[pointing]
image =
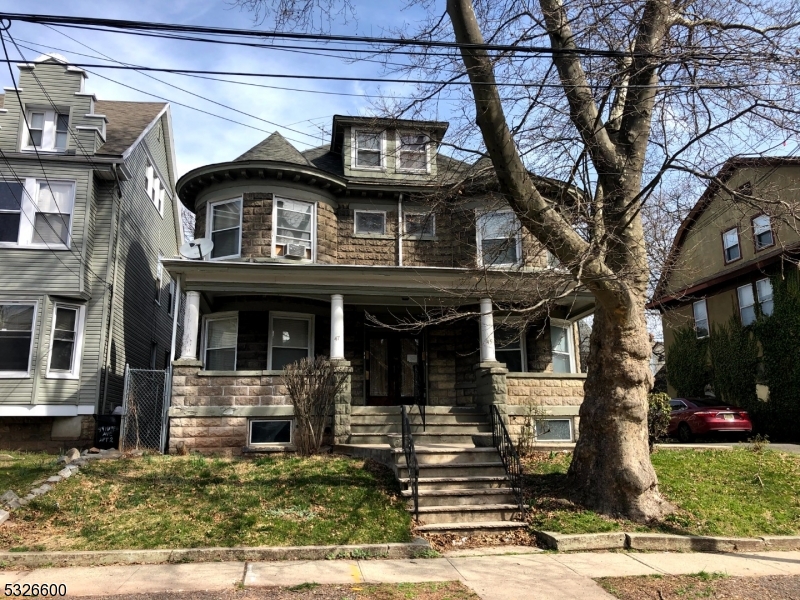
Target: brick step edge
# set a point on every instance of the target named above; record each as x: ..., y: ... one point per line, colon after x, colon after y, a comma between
x: 662, y: 542
x: 420, y: 548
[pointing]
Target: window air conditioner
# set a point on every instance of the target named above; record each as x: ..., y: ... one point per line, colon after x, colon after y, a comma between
x: 295, y: 251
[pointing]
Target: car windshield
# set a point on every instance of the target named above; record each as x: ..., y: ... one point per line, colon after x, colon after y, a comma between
x: 706, y: 401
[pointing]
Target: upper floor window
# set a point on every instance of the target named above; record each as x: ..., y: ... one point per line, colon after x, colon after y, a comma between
x: 293, y: 231
x: 159, y: 279
x: 370, y: 222
x: 36, y: 212
x: 761, y: 291
x: 46, y: 130
x: 291, y: 338
x: 368, y: 150
x: 219, y: 342
x: 17, y: 322
x: 412, y: 152
x: 700, y: 311
x: 562, y: 346
x: 155, y: 189
x: 224, y: 227
x: 730, y: 244
x: 65, y: 342
x: 762, y: 232
x: 419, y: 224
x: 499, y: 242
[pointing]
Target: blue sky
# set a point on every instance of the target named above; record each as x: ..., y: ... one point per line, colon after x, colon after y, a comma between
x: 202, y: 138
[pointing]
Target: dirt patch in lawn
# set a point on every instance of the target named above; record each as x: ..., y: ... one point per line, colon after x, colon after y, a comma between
x: 703, y: 586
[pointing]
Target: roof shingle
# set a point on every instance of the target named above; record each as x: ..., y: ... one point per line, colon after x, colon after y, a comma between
x: 276, y: 148
x: 126, y: 122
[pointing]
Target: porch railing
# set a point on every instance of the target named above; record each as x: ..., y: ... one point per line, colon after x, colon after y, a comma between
x: 419, y: 400
x: 508, y: 454
x: 411, y: 458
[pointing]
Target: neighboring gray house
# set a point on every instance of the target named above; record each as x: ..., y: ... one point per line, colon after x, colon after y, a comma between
x: 87, y: 207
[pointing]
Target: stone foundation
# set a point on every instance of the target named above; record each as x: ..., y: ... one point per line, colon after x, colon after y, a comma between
x: 45, y: 434
x: 546, y: 389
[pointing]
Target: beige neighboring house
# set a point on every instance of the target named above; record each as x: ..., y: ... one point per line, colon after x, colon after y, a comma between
x: 87, y: 206
x: 725, y: 252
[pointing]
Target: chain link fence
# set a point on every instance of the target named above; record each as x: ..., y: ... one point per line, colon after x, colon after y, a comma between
x: 144, y: 410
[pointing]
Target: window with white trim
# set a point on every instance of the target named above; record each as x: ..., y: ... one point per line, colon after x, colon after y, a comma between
x: 412, y: 152
x: 553, y: 430
x: 36, y: 212
x: 751, y: 294
x: 66, y: 341
x: 419, y: 224
x: 291, y: 338
x: 509, y: 348
x: 47, y: 130
x: 762, y: 232
x: 159, y: 279
x: 370, y: 222
x: 700, y: 312
x: 562, y: 346
x: 17, y: 322
x: 367, y: 150
x: 499, y: 241
x: 171, y: 297
x: 224, y: 227
x: 155, y: 189
x: 221, y: 332
x: 270, y: 432
x: 764, y: 294
x: 730, y: 244
x: 293, y: 231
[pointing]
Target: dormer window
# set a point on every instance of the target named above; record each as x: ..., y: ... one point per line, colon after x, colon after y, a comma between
x: 368, y: 150
x: 412, y: 152
x: 46, y: 130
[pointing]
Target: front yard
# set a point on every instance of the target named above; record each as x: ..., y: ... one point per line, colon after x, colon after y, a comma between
x: 18, y: 470
x: 185, y: 502
x: 718, y: 492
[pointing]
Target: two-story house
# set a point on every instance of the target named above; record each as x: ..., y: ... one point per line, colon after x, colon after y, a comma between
x: 727, y: 248
x: 86, y: 209
x: 327, y: 252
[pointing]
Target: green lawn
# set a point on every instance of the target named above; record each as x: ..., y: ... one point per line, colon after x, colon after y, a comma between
x: 179, y: 502
x: 725, y: 492
x: 25, y: 468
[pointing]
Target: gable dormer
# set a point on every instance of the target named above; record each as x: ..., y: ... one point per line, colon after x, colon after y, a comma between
x: 387, y: 149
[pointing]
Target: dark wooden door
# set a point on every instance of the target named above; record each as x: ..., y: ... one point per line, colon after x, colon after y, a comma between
x: 394, y: 369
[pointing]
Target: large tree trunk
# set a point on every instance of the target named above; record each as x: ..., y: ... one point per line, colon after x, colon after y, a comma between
x: 611, y: 470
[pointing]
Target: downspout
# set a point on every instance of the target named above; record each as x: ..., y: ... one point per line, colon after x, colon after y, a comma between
x: 400, y: 230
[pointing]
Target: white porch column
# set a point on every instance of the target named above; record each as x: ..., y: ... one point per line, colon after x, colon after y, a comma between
x: 191, y: 326
x: 337, y: 327
x: 487, y: 331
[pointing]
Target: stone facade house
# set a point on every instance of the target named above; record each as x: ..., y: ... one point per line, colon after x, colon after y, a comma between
x: 86, y: 208
x: 330, y: 252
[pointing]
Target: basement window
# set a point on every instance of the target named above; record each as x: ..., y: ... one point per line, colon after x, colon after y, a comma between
x: 553, y: 430
x: 263, y: 432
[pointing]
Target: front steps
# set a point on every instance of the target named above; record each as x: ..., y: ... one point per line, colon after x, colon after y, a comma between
x: 463, y: 487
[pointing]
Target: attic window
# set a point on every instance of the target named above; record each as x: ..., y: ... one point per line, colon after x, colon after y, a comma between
x: 46, y: 130
x: 412, y: 152
x: 730, y: 243
x: 762, y: 232
x: 155, y: 189
x: 368, y: 150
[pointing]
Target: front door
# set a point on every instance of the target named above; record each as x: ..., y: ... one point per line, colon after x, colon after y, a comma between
x: 394, y: 369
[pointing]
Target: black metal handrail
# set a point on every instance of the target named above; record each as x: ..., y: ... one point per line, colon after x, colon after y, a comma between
x: 508, y: 454
x: 411, y: 458
x: 418, y: 397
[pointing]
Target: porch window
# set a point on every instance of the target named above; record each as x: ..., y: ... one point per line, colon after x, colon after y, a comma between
x: 498, y: 239
x: 762, y: 232
x: 221, y: 333
x: 291, y: 338
x: 370, y: 222
x: 368, y: 150
x: 562, y: 347
x: 17, y: 321
x: 412, y: 152
x: 65, y: 341
x: 293, y: 233
x: 730, y: 243
x: 700, y: 311
x: 264, y: 432
x: 419, y: 224
x: 225, y: 228
x: 510, y: 348
x: 554, y: 430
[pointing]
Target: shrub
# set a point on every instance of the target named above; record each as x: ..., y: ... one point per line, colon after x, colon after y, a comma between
x: 687, y: 363
x: 734, y: 359
x: 658, y: 411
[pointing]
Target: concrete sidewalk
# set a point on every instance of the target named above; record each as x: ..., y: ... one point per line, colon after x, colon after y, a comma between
x: 531, y: 576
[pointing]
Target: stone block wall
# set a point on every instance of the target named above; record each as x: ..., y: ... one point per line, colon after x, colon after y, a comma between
x: 225, y: 436
x: 35, y: 434
x: 246, y: 388
x: 366, y: 250
x: 327, y: 234
x: 526, y: 388
x: 257, y: 225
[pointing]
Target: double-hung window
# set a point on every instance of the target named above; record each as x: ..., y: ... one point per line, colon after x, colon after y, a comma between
x: 293, y: 231
x: 36, y: 213
x: 291, y: 338
x: 46, y: 130
x: 368, y: 150
x: 730, y: 244
x: 412, y: 152
x: 54, y: 201
x: 65, y: 342
x: 700, y: 311
x: 224, y: 227
x: 17, y: 322
x: 159, y: 279
x: 155, y: 189
x: 370, y: 222
x: 510, y: 348
x: 762, y: 232
x: 764, y: 294
x: 562, y: 347
x: 499, y: 242
x: 11, y: 213
x: 761, y: 292
x: 419, y: 224
x: 219, y: 342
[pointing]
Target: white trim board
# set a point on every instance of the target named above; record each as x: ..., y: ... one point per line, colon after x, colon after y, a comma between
x: 45, y: 410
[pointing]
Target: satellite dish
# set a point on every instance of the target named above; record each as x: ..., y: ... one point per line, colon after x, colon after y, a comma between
x: 197, y: 249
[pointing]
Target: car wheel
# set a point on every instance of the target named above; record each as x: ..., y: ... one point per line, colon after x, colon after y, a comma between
x: 685, y: 434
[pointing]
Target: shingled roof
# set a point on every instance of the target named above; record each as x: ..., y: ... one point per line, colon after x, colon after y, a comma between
x: 126, y: 122
x: 276, y: 148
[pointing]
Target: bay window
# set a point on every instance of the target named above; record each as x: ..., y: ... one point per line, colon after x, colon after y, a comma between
x: 17, y: 322
x: 293, y: 229
x: 225, y: 228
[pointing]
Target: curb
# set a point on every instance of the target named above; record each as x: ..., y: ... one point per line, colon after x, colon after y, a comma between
x: 418, y: 549
x: 662, y: 542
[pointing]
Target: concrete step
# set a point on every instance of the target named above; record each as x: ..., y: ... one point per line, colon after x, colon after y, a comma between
x: 462, y: 497
x: 414, y: 411
x: 476, y: 469
x: 396, y: 427
x: 456, y: 483
x: 468, y: 514
x: 430, y: 455
x: 472, y: 528
x: 483, y: 439
x: 415, y: 419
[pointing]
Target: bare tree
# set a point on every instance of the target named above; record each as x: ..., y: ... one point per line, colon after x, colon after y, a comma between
x: 613, y: 97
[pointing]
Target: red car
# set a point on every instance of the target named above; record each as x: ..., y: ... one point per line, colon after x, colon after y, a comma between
x: 699, y: 416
